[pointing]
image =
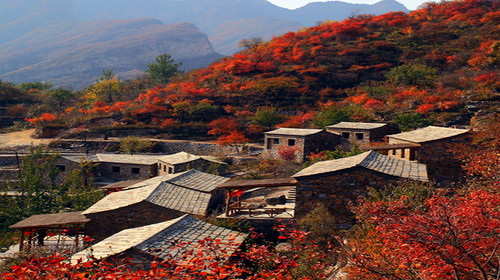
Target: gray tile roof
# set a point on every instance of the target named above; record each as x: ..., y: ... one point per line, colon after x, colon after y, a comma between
x: 370, y: 160
x: 294, y: 131
x: 357, y: 125
x: 125, y: 158
x: 430, y: 133
x: 52, y: 220
x: 190, y: 230
x: 178, y: 158
x: 80, y: 158
x: 187, y: 192
x: 181, y: 199
x: 183, y: 157
x: 162, y: 239
x: 198, y: 180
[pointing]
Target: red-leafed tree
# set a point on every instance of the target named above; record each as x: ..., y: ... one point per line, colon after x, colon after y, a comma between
x: 443, y: 237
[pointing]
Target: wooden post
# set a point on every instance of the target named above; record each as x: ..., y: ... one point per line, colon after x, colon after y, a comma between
x: 228, y: 201
x: 21, y: 245
x: 77, y: 231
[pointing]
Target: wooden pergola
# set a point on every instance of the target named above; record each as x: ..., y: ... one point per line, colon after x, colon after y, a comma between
x: 387, y: 148
x: 41, y: 226
x: 236, y: 188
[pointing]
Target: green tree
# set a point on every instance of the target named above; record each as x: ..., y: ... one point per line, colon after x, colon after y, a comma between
x: 267, y: 118
x: 251, y: 43
x: 332, y: 115
x: 413, y: 75
x: 57, y: 99
x: 36, y: 85
x: 38, y: 189
x: 411, y: 121
x: 163, y: 69
x: 131, y: 145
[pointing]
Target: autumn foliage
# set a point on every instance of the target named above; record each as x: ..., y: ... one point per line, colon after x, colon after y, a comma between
x: 431, y: 61
x: 207, y: 260
x: 447, y: 237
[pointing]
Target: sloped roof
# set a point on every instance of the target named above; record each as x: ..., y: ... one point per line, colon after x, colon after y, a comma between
x: 430, y: 133
x: 178, y: 158
x: 125, y: 158
x: 52, y: 220
x: 294, y: 131
x: 370, y: 160
x: 187, y: 192
x: 162, y: 239
x: 122, y: 184
x: 183, y: 157
x: 80, y: 158
x: 357, y: 125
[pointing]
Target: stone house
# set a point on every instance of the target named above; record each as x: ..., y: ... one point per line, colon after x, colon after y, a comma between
x: 338, y: 183
x: 155, y: 200
x: 360, y: 132
x: 305, y: 141
x: 183, y: 161
x: 434, y: 146
x: 162, y: 241
x: 115, y: 167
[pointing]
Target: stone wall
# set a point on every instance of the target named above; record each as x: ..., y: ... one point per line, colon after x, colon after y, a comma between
x: 440, y: 158
x: 107, y: 223
x: 337, y: 190
x: 124, y: 171
x: 305, y: 144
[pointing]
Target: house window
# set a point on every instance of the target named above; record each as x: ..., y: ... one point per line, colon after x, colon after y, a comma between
x: 402, y: 153
x: 136, y: 170
x: 164, y: 168
x: 359, y: 136
x: 346, y: 135
x: 115, y: 169
x: 291, y: 142
x: 272, y: 141
x: 170, y: 170
x: 159, y: 166
x: 61, y: 168
x: 394, y: 152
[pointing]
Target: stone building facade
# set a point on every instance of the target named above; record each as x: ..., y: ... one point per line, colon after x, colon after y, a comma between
x: 182, y: 161
x: 339, y: 183
x: 304, y: 141
x: 107, y: 223
x: 154, y: 200
x: 437, y: 147
x: 362, y: 133
x: 162, y: 241
x: 112, y: 166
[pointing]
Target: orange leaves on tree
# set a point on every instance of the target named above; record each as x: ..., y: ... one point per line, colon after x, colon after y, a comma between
x: 288, y: 153
x: 299, y: 121
x: 424, y: 108
x: 232, y: 138
x: 44, y: 118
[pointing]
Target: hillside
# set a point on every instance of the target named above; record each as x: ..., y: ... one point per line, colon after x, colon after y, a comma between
x: 434, y: 65
x: 74, y: 55
x: 36, y: 36
x: 221, y: 20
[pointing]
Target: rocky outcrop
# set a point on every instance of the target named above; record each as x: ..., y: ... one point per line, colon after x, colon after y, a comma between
x: 75, y: 54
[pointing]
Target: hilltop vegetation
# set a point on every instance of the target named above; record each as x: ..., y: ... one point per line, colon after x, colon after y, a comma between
x: 434, y: 65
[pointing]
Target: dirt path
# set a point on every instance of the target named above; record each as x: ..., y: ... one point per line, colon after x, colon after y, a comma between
x: 20, y: 138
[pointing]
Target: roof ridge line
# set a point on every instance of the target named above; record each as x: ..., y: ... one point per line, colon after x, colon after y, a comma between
x: 366, y: 157
x: 152, y: 236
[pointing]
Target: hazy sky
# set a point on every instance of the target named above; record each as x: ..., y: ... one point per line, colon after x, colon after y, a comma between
x: 292, y: 4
